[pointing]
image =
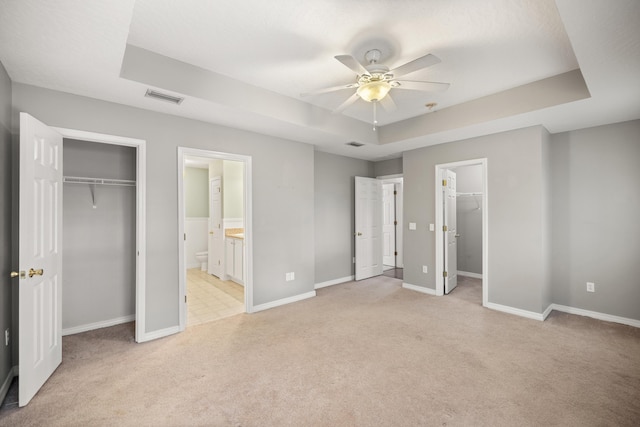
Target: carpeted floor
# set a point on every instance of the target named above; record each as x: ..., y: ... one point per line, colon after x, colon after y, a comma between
x: 359, y: 354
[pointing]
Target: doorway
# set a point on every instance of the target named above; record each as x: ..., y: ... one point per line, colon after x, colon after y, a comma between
x: 392, y: 227
x: 139, y: 223
x: 215, y: 238
x: 468, y: 198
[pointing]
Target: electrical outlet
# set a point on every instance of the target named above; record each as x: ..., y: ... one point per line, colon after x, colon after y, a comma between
x: 591, y: 287
x: 6, y: 337
x: 425, y: 269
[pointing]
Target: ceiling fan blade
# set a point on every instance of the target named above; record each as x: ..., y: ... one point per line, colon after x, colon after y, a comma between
x: 353, y: 98
x: 352, y: 63
x: 424, y: 86
x: 415, y: 65
x: 388, y: 104
x: 330, y: 89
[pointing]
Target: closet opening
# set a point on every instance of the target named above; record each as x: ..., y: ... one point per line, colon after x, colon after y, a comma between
x: 461, y: 230
x: 103, y: 232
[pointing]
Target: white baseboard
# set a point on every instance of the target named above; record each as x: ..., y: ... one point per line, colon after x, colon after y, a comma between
x: 283, y: 301
x: 13, y: 372
x: 517, y: 311
x: 469, y: 274
x: 161, y: 333
x: 595, y: 315
x: 334, y: 282
x: 98, y: 325
x: 194, y: 265
x: 421, y: 289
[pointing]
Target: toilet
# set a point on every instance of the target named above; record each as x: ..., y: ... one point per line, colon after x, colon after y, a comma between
x: 203, y: 258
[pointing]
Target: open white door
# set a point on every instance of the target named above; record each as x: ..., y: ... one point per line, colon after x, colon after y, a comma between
x: 450, y: 231
x: 368, y: 231
x: 216, y: 241
x: 389, y: 224
x: 40, y: 264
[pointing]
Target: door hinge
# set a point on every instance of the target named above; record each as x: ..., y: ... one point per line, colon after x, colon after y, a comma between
x: 444, y: 182
x: 396, y: 253
x: 444, y: 228
x: 444, y: 274
x: 185, y: 299
x: 395, y: 222
x: 185, y: 236
x: 395, y: 192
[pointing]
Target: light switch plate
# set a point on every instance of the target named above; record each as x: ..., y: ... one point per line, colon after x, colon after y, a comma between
x: 412, y: 226
x: 432, y: 227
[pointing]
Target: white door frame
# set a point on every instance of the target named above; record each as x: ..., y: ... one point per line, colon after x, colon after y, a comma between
x: 141, y: 188
x: 248, y: 221
x: 485, y: 225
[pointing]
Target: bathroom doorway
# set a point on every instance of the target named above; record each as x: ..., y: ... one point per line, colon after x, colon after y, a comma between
x: 215, y: 250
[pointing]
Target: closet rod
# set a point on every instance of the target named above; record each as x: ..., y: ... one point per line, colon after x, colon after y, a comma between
x: 468, y: 194
x: 99, y: 181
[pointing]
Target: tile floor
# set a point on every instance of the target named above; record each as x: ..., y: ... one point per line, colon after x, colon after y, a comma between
x: 209, y: 298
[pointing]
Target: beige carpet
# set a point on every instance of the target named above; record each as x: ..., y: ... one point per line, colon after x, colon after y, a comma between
x: 359, y: 354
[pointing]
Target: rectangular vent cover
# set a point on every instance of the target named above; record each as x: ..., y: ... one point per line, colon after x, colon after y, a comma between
x: 163, y: 96
x: 355, y: 144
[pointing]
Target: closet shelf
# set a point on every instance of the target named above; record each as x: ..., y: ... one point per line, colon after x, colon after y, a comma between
x: 98, y: 181
x: 468, y: 194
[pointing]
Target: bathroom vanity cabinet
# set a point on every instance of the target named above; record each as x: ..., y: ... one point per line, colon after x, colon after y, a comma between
x: 234, y: 259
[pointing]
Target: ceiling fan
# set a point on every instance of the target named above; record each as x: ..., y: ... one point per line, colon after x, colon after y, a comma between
x: 374, y: 81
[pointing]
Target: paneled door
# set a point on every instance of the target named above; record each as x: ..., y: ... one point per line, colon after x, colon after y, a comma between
x: 368, y: 227
x: 450, y: 231
x: 40, y: 256
x: 216, y: 238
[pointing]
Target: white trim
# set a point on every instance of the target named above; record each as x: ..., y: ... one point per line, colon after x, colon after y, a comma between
x: 98, y: 325
x: 141, y: 215
x: 516, y: 311
x: 13, y: 372
x: 284, y: 301
x: 547, y: 312
x: 232, y: 223
x: 596, y: 315
x: 161, y: 333
x: 334, y: 282
x: 420, y: 289
x: 469, y: 274
x: 247, y: 224
x: 390, y: 177
x: 485, y: 225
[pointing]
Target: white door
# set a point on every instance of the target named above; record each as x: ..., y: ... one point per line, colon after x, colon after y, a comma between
x: 40, y: 253
x: 216, y: 238
x: 450, y: 233
x: 389, y: 224
x: 368, y: 227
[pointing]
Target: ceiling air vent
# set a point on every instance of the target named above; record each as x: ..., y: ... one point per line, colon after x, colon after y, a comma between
x: 355, y: 144
x: 163, y: 96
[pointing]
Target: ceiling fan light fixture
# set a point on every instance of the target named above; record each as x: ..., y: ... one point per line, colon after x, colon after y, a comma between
x: 374, y: 91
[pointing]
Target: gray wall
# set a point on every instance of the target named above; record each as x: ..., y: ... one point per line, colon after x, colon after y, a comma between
x: 596, y: 218
x: 469, y: 219
x: 514, y: 207
x: 334, y: 194
x: 196, y: 192
x: 387, y: 167
x: 99, y: 244
x: 5, y: 223
x: 233, y: 189
x: 283, y: 196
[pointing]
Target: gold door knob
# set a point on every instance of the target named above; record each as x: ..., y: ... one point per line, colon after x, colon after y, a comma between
x: 33, y: 272
x: 211, y: 232
x: 14, y: 274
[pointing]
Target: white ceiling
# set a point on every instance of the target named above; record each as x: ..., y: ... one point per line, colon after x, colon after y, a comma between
x: 257, y: 57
